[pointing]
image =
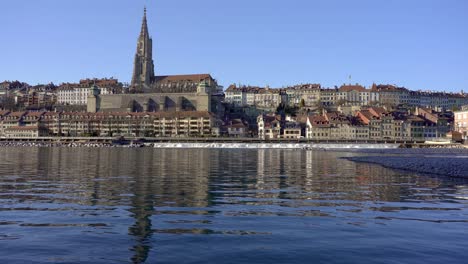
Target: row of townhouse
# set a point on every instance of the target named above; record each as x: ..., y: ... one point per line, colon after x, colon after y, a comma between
x: 311, y: 95
x: 33, y: 98
x: 65, y: 94
x: 377, y: 124
x: 303, y: 95
x: 77, y: 93
x: 158, y: 124
x: 392, y: 95
x: 255, y: 96
x: 372, y: 123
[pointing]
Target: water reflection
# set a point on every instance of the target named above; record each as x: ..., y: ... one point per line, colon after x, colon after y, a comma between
x: 154, y: 196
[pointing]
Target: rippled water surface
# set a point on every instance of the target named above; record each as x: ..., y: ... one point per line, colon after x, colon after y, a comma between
x: 60, y: 205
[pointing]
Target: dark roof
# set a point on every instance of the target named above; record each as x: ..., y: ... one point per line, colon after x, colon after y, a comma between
x: 237, y: 123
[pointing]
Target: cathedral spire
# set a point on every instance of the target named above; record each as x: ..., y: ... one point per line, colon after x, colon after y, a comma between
x: 144, y: 25
x: 143, y: 67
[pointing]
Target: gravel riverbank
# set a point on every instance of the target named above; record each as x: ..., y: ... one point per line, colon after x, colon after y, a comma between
x: 453, y: 165
x: 66, y: 145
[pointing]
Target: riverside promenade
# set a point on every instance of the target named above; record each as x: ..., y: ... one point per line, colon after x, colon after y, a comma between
x: 200, y: 140
x: 219, y: 142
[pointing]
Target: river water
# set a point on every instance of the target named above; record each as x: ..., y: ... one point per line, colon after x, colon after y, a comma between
x: 83, y: 205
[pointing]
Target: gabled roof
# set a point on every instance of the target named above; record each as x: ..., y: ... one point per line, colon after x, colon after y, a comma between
x: 365, y: 116
x: 318, y: 118
x: 195, y: 78
x: 271, y: 118
x: 357, y: 121
x: 378, y: 110
x: 232, y: 88
x: 237, y: 123
x: 414, y: 118
x: 347, y: 88
x: 387, y: 88
x: 17, y: 114
x: 303, y: 87
x: 23, y: 128
x: 34, y: 114
x: 319, y: 121
x: 52, y: 113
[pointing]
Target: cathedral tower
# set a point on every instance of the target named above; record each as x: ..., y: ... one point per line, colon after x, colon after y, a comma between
x: 143, y: 67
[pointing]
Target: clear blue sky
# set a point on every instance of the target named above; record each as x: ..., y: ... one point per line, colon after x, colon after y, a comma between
x: 419, y: 44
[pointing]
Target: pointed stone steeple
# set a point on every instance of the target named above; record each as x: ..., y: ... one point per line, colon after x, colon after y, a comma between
x: 144, y: 26
x: 143, y: 66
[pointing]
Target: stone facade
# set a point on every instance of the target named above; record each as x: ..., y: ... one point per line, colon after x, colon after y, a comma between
x: 78, y: 95
x: 201, y: 100
x: 312, y: 95
x: 143, y: 66
x: 150, y: 93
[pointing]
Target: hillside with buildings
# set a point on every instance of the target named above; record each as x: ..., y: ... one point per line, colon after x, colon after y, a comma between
x: 195, y: 105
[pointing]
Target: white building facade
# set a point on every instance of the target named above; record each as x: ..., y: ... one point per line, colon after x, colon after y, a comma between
x: 77, y: 95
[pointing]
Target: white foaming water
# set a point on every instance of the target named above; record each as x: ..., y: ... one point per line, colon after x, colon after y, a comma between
x: 274, y: 146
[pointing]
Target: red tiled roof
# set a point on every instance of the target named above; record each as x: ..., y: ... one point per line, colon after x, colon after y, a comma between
x: 52, y: 113
x: 102, y: 82
x: 182, y: 114
x: 181, y: 78
x: 35, y: 114
x: 22, y: 128
x: 232, y: 88
x: 319, y: 121
x: 414, y: 118
x: 387, y: 88
x: 271, y: 118
x: 377, y: 110
x: 309, y: 86
x: 17, y: 114
x: 254, y: 89
x: 347, y: 88
x: 318, y: 118
x: 367, y: 114
x: 237, y: 125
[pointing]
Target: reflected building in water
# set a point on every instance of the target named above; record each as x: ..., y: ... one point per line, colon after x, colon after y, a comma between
x: 153, y: 185
x: 318, y: 174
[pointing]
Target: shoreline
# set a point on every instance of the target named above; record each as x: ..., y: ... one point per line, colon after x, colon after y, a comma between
x: 297, y: 146
x: 228, y: 145
x: 450, y: 165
